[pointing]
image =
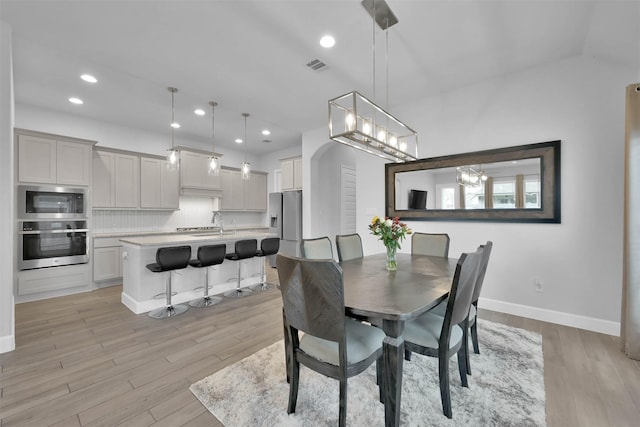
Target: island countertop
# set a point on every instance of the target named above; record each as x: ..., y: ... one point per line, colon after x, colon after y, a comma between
x: 195, y: 238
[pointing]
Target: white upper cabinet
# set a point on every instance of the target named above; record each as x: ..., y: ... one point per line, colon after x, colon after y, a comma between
x: 53, y: 160
x: 116, y: 180
x: 243, y: 195
x: 255, y: 192
x: 194, y: 172
x: 158, y: 184
x: 291, y: 174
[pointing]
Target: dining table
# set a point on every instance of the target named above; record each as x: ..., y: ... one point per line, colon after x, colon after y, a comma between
x: 391, y: 298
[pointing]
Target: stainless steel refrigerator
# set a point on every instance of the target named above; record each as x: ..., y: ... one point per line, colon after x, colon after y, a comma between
x: 285, y: 220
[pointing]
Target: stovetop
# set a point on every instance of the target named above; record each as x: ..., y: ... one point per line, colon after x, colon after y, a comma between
x: 211, y: 228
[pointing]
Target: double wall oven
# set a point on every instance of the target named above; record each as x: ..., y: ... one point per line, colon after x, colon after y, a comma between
x: 53, y: 226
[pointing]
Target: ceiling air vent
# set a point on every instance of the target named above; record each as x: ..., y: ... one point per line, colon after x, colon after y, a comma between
x: 316, y: 65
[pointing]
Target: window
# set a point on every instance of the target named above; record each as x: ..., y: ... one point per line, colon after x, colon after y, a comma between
x: 532, y: 192
x: 504, y: 194
x: 474, y: 197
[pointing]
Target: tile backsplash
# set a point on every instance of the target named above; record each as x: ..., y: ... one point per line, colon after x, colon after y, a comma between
x: 194, y: 212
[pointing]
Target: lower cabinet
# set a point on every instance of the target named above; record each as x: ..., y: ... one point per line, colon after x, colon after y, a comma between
x: 107, y: 259
x: 31, y: 282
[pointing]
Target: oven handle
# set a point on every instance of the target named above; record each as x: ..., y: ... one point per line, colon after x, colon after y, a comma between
x: 69, y: 230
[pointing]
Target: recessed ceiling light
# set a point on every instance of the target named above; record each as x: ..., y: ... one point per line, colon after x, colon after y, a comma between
x: 89, y: 78
x: 175, y: 125
x: 238, y: 141
x: 327, y: 41
x: 266, y: 132
x: 76, y: 101
x: 199, y: 111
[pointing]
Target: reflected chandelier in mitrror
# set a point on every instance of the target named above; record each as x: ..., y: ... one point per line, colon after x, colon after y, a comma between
x: 172, y: 153
x: 470, y: 176
x: 358, y: 122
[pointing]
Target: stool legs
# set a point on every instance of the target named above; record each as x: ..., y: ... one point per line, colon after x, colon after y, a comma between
x: 170, y: 310
x: 205, y: 301
x: 238, y: 292
x: 263, y: 285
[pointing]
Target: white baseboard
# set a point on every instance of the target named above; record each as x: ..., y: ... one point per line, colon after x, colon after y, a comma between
x: 7, y: 343
x: 567, y: 319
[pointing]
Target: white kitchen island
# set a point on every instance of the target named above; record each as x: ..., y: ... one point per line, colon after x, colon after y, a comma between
x: 143, y: 291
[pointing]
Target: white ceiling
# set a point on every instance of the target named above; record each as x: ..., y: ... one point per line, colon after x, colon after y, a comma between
x: 251, y: 56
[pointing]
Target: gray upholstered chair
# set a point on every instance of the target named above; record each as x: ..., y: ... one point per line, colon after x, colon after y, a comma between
x: 349, y: 247
x: 441, y: 308
x: 430, y: 244
x: 442, y: 337
x: 331, y: 344
x: 319, y: 248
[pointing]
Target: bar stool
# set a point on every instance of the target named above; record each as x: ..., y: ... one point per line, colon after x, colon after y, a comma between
x: 208, y: 255
x: 268, y: 246
x: 244, y: 249
x: 170, y: 259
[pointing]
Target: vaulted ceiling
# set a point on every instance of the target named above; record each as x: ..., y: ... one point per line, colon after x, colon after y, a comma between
x: 251, y: 56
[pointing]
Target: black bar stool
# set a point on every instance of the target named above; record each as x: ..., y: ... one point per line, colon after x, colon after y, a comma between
x: 268, y: 246
x: 244, y: 249
x: 208, y: 256
x: 170, y: 259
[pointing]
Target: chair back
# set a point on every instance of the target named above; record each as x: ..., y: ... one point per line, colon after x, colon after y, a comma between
x: 270, y: 246
x: 173, y: 258
x: 430, y: 244
x: 312, y: 296
x: 319, y: 248
x: 349, y: 247
x: 461, y: 292
x: 211, y: 254
x: 486, y: 252
x: 246, y: 248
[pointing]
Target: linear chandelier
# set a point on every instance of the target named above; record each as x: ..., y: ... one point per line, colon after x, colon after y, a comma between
x: 358, y: 122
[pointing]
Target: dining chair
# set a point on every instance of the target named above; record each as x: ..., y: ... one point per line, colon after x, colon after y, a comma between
x: 319, y: 248
x: 331, y: 343
x: 442, y: 337
x: 349, y: 246
x: 441, y: 308
x: 434, y: 244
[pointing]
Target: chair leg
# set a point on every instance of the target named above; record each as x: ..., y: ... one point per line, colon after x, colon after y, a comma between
x: 474, y: 337
x: 462, y: 366
x: 465, y: 340
x: 407, y: 355
x: 169, y: 310
x: 380, y: 378
x: 206, y: 300
x: 342, y: 416
x: 445, y: 396
x: 293, y: 386
x: 238, y: 292
x: 287, y: 348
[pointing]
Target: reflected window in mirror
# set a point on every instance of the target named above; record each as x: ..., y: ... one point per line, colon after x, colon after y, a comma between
x: 512, y: 184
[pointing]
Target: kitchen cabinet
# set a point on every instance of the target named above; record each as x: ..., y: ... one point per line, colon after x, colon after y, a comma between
x: 56, y: 280
x: 107, y: 259
x: 255, y: 194
x: 53, y: 160
x: 291, y: 174
x: 159, y: 185
x: 116, y: 180
x: 194, y: 171
x: 243, y: 195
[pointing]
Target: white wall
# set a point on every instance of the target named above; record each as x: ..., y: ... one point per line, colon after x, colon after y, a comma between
x: 7, y: 262
x: 579, y: 101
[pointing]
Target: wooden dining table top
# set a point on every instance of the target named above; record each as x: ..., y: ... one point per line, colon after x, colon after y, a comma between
x: 420, y: 283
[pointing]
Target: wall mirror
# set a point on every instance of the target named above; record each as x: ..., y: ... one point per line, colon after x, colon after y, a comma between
x: 513, y: 184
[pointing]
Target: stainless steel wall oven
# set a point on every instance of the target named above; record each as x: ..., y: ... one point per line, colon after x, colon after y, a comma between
x: 50, y: 243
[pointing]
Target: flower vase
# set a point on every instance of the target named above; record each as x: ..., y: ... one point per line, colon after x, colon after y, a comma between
x: 391, y: 259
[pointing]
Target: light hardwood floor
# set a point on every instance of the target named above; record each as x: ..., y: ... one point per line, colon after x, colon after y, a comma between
x: 86, y: 360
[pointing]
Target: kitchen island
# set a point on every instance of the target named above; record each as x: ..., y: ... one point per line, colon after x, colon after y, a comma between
x: 143, y: 291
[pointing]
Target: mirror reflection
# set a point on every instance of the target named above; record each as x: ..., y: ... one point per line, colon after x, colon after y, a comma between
x: 513, y: 184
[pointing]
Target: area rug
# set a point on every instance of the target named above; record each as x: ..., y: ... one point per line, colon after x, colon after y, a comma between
x: 506, y: 389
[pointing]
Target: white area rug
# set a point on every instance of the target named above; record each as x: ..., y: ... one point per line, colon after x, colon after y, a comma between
x: 506, y: 389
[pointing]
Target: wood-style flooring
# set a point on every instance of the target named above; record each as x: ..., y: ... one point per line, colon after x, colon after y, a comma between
x: 86, y: 360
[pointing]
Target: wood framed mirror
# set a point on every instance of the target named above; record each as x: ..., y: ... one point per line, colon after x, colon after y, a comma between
x: 513, y: 184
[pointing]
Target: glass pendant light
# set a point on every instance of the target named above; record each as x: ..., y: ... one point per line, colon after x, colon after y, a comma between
x: 172, y: 153
x: 214, y: 161
x: 245, y: 169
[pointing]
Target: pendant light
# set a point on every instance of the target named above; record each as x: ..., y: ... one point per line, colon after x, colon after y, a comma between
x: 172, y: 153
x: 214, y: 161
x: 245, y: 170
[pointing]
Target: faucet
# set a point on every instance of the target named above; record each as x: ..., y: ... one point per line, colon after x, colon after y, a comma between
x: 217, y: 215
